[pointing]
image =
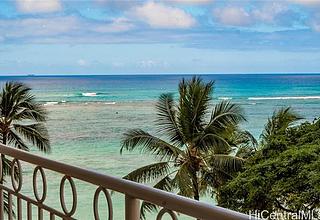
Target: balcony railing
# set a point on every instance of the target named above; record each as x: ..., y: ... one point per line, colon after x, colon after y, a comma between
x: 134, y: 193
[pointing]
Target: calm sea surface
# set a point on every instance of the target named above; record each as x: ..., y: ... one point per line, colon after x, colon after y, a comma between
x: 88, y: 114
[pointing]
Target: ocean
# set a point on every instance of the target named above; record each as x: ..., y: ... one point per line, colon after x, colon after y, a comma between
x: 88, y: 115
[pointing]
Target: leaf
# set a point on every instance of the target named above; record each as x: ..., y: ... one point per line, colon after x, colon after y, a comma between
x: 223, y: 122
x: 224, y: 116
x: 227, y: 163
x: 195, y: 97
x: 183, y: 181
x: 166, y: 118
x: 279, y: 122
x: 148, y: 173
x: 147, y: 143
x: 163, y: 184
x: 36, y: 133
x: 16, y: 141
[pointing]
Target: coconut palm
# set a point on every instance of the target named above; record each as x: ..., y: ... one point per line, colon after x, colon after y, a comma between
x: 22, y: 121
x: 193, y: 144
x: 278, y: 123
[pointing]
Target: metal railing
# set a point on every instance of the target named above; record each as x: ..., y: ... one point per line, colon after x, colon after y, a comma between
x: 134, y: 193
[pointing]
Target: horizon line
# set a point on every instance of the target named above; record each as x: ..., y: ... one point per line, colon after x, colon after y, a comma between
x: 159, y: 74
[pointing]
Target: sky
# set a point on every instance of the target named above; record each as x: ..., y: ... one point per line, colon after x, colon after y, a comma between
x: 168, y: 36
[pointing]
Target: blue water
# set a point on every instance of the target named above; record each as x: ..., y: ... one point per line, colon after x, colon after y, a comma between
x: 88, y: 115
x: 148, y: 87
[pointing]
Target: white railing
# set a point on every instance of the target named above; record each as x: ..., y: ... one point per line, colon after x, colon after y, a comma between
x: 134, y: 193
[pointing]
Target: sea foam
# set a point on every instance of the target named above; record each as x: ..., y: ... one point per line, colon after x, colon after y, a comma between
x: 284, y: 98
x: 51, y: 103
x: 89, y: 94
x: 224, y: 98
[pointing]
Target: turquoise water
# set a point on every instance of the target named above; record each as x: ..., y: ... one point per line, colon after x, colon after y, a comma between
x: 88, y: 114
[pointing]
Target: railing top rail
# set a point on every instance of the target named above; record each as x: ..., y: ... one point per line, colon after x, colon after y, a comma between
x: 167, y: 200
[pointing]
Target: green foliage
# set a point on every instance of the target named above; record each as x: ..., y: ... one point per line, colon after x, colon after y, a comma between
x: 22, y: 122
x: 22, y: 118
x: 195, y: 144
x: 284, y: 174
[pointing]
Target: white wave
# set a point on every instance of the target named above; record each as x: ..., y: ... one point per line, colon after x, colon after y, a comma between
x: 63, y: 101
x: 284, y: 98
x: 110, y: 103
x: 89, y: 94
x: 51, y: 103
x: 224, y: 98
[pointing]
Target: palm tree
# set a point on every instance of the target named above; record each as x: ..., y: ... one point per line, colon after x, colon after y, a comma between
x: 22, y: 121
x: 193, y: 144
x: 278, y: 123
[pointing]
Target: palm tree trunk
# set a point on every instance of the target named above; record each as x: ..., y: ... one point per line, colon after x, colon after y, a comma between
x: 4, y: 141
x: 195, y: 184
x: 196, y: 195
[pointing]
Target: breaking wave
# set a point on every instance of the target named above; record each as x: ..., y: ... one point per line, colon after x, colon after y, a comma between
x: 89, y: 94
x: 224, y: 98
x: 284, y: 98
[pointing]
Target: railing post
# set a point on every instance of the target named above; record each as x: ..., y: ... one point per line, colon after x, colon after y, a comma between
x: 132, y: 208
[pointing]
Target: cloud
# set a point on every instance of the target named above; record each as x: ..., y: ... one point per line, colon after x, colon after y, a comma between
x: 269, y: 12
x: 82, y: 62
x: 315, y: 23
x: 158, y: 15
x: 315, y: 26
x: 193, y: 2
x: 38, y: 6
x: 29, y: 27
x: 150, y: 64
x: 117, y: 25
x: 233, y: 16
x: 60, y: 26
x: 306, y: 2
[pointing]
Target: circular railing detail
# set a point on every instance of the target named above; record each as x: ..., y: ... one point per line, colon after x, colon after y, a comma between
x: 164, y: 211
x: 44, y: 184
x: 74, y: 196
x: 96, y: 201
x: 16, y: 184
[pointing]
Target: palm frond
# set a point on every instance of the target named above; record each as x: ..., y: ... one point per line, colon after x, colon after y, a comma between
x: 214, y: 178
x: 11, y: 96
x: 218, y: 143
x: 145, y: 208
x: 279, y: 122
x: 195, y: 97
x: 138, y: 138
x: 31, y: 111
x: 36, y: 133
x: 224, y: 115
x: 244, y: 138
x: 166, y: 118
x: 224, y: 120
x: 16, y: 141
x: 183, y: 180
x: 227, y: 163
x: 6, y: 165
x: 164, y: 184
x: 148, y: 173
x: 244, y: 143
